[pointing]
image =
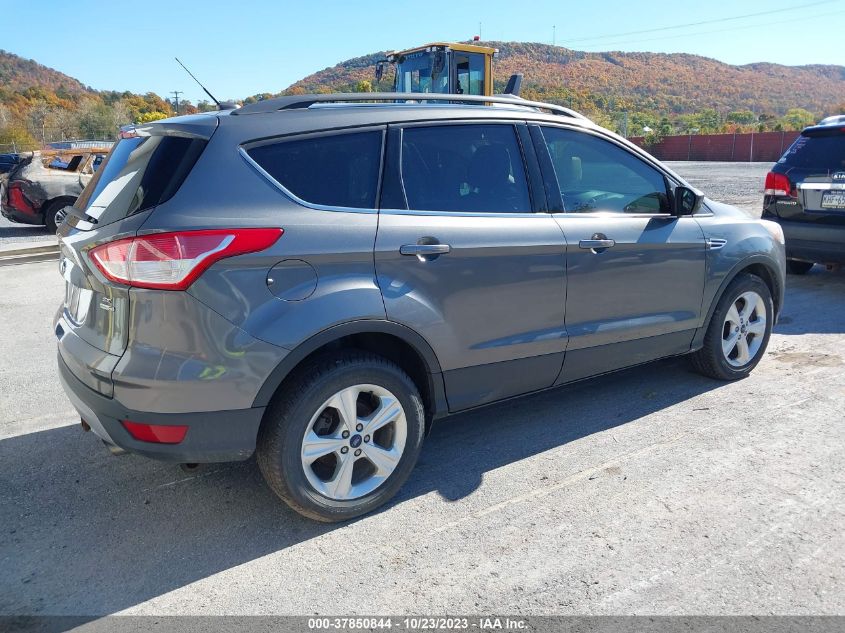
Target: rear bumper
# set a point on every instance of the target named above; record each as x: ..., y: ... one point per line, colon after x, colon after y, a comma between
x: 814, y: 242
x: 216, y: 436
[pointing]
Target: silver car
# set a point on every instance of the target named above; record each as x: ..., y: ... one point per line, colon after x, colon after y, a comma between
x: 317, y: 280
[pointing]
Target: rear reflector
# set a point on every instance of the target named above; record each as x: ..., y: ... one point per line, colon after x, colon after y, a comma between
x: 155, y: 433
x: 173, y: 261
x: 778, y: 185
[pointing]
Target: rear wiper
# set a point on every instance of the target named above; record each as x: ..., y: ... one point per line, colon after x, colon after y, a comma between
x: 80, y: 215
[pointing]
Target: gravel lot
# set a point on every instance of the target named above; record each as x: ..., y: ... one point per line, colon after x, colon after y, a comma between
x: 652, y: 491
x: 739, y: 184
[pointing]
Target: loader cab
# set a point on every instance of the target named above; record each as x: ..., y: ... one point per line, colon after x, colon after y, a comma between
x: 444, y: 68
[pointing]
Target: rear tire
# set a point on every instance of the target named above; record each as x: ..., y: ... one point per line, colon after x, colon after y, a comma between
x: 335, y: 408
x: 50, y: 213
x: 796, y: 267
x: 738, y: 332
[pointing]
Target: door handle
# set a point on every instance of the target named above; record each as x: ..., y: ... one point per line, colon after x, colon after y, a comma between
x: 596, y: 244
x: 424, y: 249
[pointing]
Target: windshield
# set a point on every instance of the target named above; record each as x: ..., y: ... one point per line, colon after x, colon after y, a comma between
x: 414, y: 73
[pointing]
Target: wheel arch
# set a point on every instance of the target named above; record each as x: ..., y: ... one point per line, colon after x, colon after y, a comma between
x: 763, y: 267
x: 395, y: 342
x: 68, y: 201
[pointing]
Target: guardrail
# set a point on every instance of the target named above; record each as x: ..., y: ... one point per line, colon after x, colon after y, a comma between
x: 29, y: 252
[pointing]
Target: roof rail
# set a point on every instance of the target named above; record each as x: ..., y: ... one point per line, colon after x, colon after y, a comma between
x: 295, y: 102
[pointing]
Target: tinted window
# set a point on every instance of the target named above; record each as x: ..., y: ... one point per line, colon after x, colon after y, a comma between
x: 138, y: 174
x: 340, y: 170
x: 822, y: 154
x: 597, y: 175
x: 474, y: 168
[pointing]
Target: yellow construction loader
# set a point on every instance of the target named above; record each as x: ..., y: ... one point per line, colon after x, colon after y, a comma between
x: 447, y: 68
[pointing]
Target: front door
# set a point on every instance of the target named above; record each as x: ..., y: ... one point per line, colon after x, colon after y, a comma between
x: 468, y: 264
x: 635, y: 272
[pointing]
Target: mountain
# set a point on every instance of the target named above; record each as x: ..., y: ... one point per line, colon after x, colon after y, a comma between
x: 39, y: 105
x: 667, y: 93
x: 659, y: 83
x: 18, y: 74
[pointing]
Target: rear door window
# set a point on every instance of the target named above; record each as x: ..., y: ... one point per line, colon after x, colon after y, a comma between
x: 138, y: 174
x: 334, y: 170
x: 470, y: 168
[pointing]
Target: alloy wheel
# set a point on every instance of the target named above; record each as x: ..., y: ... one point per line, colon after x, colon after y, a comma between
x: 744, y: 329
x: 354, y: 442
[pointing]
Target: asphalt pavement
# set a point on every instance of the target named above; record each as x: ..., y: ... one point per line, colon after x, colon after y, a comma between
x: 650, y: 491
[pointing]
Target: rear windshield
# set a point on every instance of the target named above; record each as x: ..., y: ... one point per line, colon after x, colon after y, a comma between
x: 138, y: 174
x: 823, y: 153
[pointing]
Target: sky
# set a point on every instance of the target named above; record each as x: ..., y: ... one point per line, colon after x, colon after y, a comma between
x: 240, y: 48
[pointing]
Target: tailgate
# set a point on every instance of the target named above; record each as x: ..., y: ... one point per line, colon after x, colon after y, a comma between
x: 143, y: 169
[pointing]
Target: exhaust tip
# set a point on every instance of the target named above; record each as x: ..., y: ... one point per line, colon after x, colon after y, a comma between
x: 114, y: 450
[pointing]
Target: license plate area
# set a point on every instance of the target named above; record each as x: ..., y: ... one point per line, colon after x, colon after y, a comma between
x: 77, y: 303
x: 833, y: 201
x: 77, y: 299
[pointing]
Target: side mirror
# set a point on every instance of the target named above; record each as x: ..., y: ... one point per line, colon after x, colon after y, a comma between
x: 687, y: 200
x: 514, y: 85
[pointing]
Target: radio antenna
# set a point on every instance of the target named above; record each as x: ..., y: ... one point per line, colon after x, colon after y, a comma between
x: 198, y: 82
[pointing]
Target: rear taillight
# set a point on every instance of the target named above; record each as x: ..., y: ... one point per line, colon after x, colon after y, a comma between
x: 16, y: 199
x: 156, y: 433
x: 778, y: 185
x: 173, y: 261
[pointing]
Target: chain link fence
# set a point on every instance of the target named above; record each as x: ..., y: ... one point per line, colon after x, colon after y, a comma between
x: 56, y: 139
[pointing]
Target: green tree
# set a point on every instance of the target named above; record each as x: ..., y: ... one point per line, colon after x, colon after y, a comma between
x: 797, y: 119
x: 665, y: 127
x: 148, y: 117
x: 16, y: 137
x: 741, y: 117
x: 364, y: 86
x: 96, y: 120
x: 709, y: 121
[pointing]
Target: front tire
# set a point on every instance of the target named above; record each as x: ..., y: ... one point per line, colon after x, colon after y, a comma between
x: 738, y: 332
x: 342, y: 436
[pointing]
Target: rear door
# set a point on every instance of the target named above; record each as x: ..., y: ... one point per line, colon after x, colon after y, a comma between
x: 635, y: 273
x: 463, y: 258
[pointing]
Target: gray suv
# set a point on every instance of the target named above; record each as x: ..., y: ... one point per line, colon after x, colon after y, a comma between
x: 317, y: 280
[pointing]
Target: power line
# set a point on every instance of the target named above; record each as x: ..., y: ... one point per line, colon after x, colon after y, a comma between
x: 604, y: 45
x: 703, y: 22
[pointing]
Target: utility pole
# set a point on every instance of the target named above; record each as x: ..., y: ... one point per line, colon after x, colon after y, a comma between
x: 176, y: 93
x: 554, y: 35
